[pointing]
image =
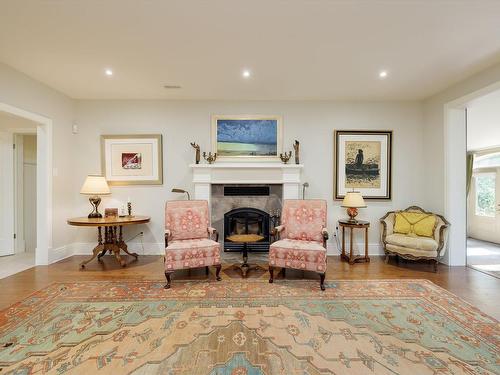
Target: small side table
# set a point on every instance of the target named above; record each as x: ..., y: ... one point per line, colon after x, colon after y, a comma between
x: 245, y: 239
x: 353, y: 225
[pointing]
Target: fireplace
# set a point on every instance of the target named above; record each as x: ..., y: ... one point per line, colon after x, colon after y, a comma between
x: 247, y: 220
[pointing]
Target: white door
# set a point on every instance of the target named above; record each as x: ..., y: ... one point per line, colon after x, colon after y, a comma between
x: 484, y: 218
x: 6, y: 193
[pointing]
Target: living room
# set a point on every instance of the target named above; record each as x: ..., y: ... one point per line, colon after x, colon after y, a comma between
x: 272, y: 177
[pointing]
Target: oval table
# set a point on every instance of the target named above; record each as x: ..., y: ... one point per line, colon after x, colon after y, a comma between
x: 113, y: 236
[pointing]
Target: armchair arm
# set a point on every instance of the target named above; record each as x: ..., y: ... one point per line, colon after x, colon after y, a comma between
x: 168, y: 234
x: 387, y: 225
x: 213, y: 234
x: 441, y: 236
x: 325, y: 235
x: 276, y: 231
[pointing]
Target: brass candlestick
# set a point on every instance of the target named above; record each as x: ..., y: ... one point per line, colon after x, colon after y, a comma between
x: 209, y: 157
x: 285, y: 157
x: 296, y: 147
x: 197, y: 148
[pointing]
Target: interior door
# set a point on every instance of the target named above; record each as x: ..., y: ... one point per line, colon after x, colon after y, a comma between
x: 6, y: 193
x: 484, y: 218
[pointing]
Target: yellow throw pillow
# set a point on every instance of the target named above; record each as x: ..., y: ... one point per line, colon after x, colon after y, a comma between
x: 415, y: 224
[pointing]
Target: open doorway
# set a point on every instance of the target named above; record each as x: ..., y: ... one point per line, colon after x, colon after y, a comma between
x: 483, y: 198
x: 18, y: 199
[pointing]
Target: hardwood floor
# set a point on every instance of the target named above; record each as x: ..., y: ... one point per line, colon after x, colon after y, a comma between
x: 477, y: 288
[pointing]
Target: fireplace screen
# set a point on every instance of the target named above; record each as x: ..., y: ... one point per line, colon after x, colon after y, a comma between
x: 246, y: 220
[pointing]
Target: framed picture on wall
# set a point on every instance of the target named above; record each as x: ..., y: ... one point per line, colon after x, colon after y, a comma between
x: 363, y: 163
x: 132, y: 159
x: 247, y: 137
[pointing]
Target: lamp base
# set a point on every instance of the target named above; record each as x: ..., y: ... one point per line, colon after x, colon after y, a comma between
x: 94, y: 202
x: 352, y: 212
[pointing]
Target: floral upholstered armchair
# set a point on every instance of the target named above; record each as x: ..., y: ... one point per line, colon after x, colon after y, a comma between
x: 189, y: 241
x: 414, y: 234
x: 302, y: 238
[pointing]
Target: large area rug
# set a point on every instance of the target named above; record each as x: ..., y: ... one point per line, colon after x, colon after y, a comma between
x: 248, y: 327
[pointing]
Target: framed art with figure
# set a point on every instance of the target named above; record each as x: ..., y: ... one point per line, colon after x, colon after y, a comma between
x: 363, y: 163
x: 132, y: 159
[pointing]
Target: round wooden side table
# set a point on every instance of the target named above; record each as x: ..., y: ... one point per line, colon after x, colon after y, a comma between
x: 113, y: 236
x: 354, y: 225
x: 245, y: 239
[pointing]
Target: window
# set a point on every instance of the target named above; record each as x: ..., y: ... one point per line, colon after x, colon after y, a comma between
x: 485, y: 194
x: 485, y: 161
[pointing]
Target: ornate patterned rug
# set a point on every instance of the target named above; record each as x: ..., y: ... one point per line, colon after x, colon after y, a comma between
x: 248, y: 327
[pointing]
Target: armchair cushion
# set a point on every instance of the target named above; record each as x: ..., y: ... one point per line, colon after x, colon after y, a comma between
x: 304, y: 219
x: 412, y: 242
x: 191, y: 253
x: 415, y: 224
x: 187, y: 219
x: 298, y: 254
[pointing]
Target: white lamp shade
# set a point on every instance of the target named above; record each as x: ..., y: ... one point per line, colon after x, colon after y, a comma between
x: 353, y: 199
x: 95, y: 185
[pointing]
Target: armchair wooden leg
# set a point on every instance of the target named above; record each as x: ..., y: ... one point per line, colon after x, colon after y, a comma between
x: 206, y: 270
x: 167, y: 275
x: 386, y: 259
x: 271, y: 272
x: 322, y: 281
x: 217, y: 272
x: 436, y: 265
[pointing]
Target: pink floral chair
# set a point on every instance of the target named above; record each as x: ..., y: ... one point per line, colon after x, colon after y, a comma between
x: 189, y: 241
x: 302, y: 238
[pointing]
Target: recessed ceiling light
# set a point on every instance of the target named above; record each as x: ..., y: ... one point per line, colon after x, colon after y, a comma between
x: 246, y: 73
x: 171, y: 87
x: 382, y: 74
x: 108, y: 72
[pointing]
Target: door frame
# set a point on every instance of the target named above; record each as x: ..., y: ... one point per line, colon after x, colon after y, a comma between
x: 44, y: 180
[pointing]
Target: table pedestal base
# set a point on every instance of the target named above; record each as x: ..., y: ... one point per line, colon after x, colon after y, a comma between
x: 112, y: 243
x: 245, y: 266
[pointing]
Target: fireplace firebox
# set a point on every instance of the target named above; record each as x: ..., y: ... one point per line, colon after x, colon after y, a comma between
x: 247, y: 220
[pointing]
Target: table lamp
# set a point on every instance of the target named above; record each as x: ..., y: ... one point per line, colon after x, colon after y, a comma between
x: 94, y: 186
x: 352, y: 201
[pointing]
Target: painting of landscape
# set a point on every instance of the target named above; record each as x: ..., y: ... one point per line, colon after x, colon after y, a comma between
x: 247, y: 137
x: 362, y: 164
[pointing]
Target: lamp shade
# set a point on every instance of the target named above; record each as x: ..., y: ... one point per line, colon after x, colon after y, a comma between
x: 353, y: 199
x: 95, y: 185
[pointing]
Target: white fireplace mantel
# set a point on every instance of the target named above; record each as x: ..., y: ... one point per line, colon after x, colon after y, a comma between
x: 205, y: 175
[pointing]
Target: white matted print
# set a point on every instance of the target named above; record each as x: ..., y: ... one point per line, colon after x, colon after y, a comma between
x: 132, y: 159
x: 363, y: 163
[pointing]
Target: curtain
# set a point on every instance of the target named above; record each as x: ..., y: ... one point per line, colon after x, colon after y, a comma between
x: 470, y: 166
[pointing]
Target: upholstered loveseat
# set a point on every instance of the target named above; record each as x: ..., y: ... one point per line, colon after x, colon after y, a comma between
x: 414, y: 234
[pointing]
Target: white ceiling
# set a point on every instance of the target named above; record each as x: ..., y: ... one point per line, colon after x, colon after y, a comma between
x: 296, y: 49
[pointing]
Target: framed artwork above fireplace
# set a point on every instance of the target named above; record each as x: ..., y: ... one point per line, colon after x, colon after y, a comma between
x: 247, y: 137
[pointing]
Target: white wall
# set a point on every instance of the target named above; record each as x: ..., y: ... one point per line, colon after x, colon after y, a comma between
x: 19, y: 90
x: 182, y: 122
x: 483, y: 122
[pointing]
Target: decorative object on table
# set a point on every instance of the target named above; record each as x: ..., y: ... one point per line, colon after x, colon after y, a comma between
x: 113, y: 235
x: 415, y: 234
x: 247, y: 137
x: 363, y: 162
x: 129, y: 208
x: 189, y: 240
x: 303, y: 238
x: 111, y: 212
x: 209, y: 157
x: 95, y: 186
x: 304, y: 186
x: 245, y: 239
x: 197, y: 155
x: 123, y: 211
x: 285, y: 157
x: 296, y: 148
x: 353, y: 225
x: 132, y: 159
x: 182, y: 191
x: 352, y: 201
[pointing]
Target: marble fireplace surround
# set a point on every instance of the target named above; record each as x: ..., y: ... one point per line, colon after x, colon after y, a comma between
x: 209, y: 180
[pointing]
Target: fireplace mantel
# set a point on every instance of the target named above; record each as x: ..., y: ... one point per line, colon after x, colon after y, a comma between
x: 204, y: 175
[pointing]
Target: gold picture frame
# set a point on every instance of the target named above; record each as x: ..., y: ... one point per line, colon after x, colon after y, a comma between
x: 132, y: 159
x: 262, y: 139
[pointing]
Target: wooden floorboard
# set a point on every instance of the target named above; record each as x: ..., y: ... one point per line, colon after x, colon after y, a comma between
x: 475, y: 287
